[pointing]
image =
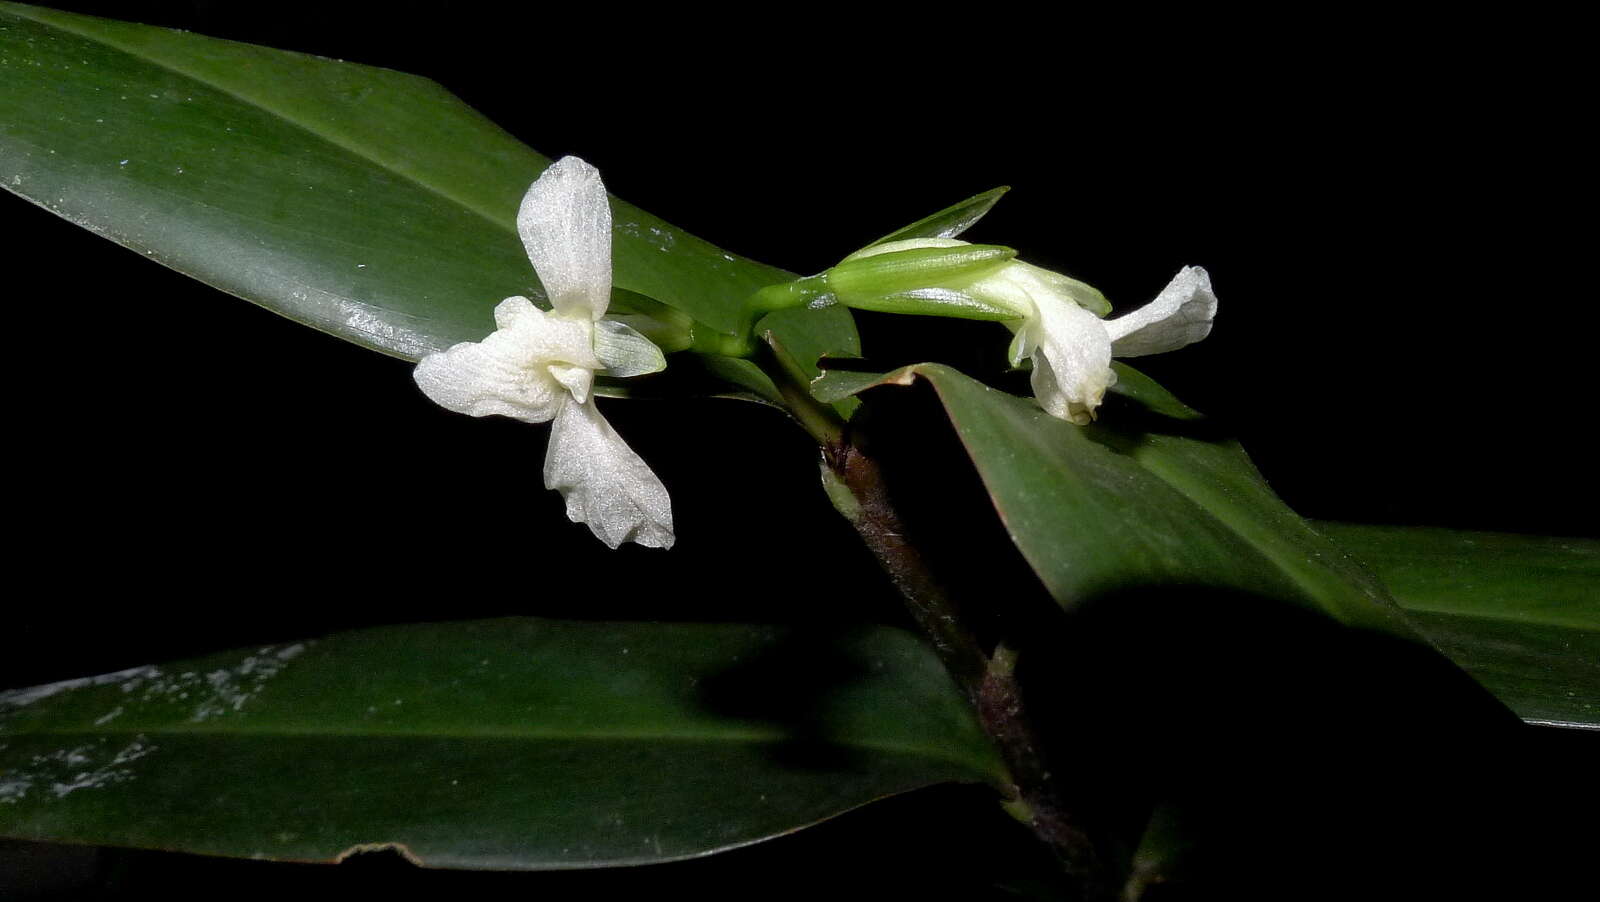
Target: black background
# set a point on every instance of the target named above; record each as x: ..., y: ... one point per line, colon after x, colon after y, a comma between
x: 1404, y: 333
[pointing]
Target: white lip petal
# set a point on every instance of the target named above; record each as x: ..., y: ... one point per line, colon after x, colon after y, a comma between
x: 606, y: 485
x: 1180, y: 315
x: 1071, y: 361
x: 565, y: 223
x: 513, y: 372
x: 488, y: 377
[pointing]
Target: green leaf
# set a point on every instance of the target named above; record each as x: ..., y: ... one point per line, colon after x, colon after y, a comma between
x: 951, y: 221
x: 807, y: 335
x: 833, y: 386
x: 1149, y: 496
x: 367, y: 203
x: 514, y: 743
x: 1519, y: 613
x: 827, y: 332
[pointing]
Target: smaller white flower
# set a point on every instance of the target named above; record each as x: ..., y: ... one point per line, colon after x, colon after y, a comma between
x: 1071, y: 348
x: 1058, y: 324
x: 539, y: 366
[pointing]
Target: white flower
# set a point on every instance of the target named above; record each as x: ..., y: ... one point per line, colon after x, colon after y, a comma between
x: 1058, y: 324
x: 539, y: 366
x: 1071, y: 348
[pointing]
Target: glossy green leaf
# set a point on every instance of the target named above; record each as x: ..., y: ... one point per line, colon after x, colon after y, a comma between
x: 826, y: 332
x: 368, y: 203
x: 832, y: 385
x: 514, y: 743
x: 807, y: 335
x: 1519, y: 613
x: 951, y: 221
x: 1148, y: 496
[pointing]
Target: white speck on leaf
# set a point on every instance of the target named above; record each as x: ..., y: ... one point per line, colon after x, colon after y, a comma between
x: 17, y: 698
x: 381, y: 326
x: 13, y: 790
x: 232, y: 688
x: 69, y: 770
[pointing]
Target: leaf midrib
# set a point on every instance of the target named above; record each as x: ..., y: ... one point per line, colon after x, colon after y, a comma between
x: 750, y: 737
x: 354, y: 149
x: 1443, y: 609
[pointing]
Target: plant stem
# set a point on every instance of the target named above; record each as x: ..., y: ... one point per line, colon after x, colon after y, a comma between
x: 855, y: 484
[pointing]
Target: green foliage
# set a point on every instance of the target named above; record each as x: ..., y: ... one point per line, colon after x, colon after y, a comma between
x: 516, y: 743
x: 1149, y: 496
x: 375, y: 206
x: 1519, y: 613
x: 949, y: 222
x: 367, y: 203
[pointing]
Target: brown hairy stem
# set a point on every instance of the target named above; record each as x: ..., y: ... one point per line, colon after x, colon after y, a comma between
x: 856, y: 486
x: 988, y: 680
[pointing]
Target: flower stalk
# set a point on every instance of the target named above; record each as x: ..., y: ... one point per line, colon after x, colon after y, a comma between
x: 855, y: 484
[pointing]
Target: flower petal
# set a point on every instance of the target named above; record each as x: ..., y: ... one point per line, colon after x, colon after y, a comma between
x: 509, y: 372
x: 1025, y: 289
x: 1082, y: 293
x: 546, y: 337
x: 606, y: 485
x: 484, y: 378
x: 1071, y: 361
x: 624, y: 351
x: 1180, y: 315
x: 575, y: 379
x: 565, y: 223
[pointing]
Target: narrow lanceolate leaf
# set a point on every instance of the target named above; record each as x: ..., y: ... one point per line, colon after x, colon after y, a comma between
x: 949, y: 222
x: 368, y: 203
x: 1520, y: 613
x: 1147, y: 497
x: 517, y: 743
